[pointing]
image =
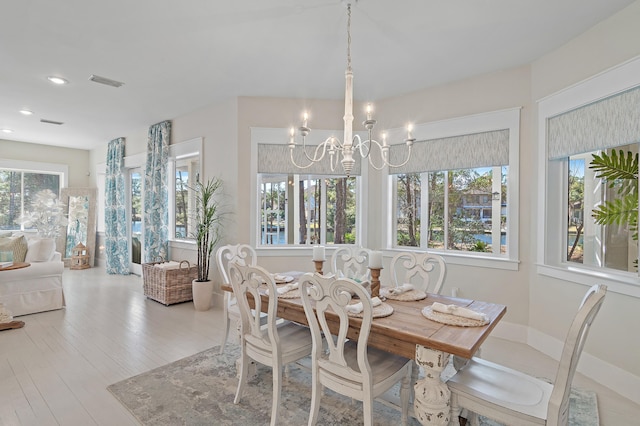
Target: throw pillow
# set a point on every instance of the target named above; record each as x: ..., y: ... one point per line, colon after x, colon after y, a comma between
x: 18, y: 245
x: 41, y: 250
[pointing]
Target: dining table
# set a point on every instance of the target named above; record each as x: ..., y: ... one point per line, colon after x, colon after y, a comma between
x: 409, y: 333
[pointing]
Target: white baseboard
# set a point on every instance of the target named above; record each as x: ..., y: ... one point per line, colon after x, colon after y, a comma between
x: 609, y: 375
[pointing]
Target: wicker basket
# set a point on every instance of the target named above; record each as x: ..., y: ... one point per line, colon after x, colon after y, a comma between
x: 169, y: 286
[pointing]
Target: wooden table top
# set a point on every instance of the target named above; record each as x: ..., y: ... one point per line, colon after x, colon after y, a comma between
x: 16, y: 265
x: 400, y: 332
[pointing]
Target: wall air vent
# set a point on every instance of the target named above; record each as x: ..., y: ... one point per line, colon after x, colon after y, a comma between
x: 42, y: 120
x: 104, y: 80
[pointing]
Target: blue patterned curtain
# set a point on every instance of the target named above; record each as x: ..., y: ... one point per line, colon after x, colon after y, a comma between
x: 115, y: 213
x: 156, y: 193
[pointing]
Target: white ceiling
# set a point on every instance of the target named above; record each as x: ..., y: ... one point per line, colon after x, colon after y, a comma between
x: 176, y: 56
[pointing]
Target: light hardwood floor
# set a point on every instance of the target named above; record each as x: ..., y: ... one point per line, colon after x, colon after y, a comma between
x: 55, y: 370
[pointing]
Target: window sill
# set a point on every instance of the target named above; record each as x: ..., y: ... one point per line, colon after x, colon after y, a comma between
x: 627, y: 284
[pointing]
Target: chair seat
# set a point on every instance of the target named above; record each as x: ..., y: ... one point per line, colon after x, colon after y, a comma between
x: 504, y: 388
x: 295, y: 343
x: 383, y: 364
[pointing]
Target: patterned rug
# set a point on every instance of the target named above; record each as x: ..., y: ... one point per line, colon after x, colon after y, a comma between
x: 199, y: 390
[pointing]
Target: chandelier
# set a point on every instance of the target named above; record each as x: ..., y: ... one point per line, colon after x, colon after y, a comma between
x: 351, y: 143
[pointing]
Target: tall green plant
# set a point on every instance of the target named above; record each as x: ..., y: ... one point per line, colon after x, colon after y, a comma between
x: 207, y: 223
x: 620, y: 171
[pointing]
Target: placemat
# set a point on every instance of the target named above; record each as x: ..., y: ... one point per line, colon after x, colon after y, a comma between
x: 451, y: 319
x: 407, y: 296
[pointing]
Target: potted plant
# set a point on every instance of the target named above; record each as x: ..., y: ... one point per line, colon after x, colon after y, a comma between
x: 207, y: 234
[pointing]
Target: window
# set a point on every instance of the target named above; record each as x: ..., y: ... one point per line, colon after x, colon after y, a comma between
x: 588, y: 217
x: 302, y: 207
x: 461, y: 210
x: 322, y: 209
x: 19, y: 184
x: 456, y: 194
x: 184, y: 167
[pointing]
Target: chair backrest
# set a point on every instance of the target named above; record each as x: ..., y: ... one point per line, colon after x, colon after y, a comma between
x: 242, y: 254
x: 323, y: 298
x: 351, y: 262
x: 246, y: 282
x: 558, y: 410
x: 425, y: 271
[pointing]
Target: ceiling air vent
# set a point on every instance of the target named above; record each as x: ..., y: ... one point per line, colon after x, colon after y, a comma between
x: 104, y: 80
x: 42, y: 120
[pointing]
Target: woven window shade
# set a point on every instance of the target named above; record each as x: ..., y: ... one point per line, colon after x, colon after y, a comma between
x: 607, y: 123
x: 275, y: 158
x: 483, y: 149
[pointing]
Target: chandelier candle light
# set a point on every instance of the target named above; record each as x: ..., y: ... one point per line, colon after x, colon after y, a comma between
x: 351, y: 142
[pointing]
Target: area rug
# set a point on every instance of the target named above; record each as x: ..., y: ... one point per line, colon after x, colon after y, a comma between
x: 199, y: 390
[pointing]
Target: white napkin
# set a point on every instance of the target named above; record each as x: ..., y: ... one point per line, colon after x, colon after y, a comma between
x: 459, y: 311
x: 287, y: 288
x: 282, y: 278
x: 401, y: 288
x: 168, y: 265
x: 357, y: 308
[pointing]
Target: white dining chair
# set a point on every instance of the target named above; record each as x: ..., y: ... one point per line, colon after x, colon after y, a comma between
x: 515, y: 398
x: 242, y: 254
x: 351, y: 262
x: 348, y: 367
x: 274, y: 345
x: 426, y: 271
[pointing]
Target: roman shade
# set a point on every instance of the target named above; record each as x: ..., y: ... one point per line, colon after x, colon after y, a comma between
x: 607, y: 123
x: 484, y: 149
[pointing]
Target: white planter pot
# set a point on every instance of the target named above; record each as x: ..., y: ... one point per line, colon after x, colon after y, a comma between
x: 202, y: 294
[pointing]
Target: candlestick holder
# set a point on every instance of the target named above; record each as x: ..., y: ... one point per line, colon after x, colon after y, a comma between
x: 375, y: 281
x: 319, y: 265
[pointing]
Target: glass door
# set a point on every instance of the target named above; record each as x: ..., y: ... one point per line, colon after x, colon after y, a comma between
x: 135, y: 220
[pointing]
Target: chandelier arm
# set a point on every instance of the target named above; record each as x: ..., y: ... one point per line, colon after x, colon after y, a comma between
x: 362, y: 144
x: 384, y: 162
x: 296, y: 164
x: 315, y: 158
x: 401, y: 164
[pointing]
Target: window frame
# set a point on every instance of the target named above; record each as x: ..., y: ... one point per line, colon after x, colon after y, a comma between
x: 551, y: 253
x: 189, y: 148
x: 477, y: 123
x: 282, y: 136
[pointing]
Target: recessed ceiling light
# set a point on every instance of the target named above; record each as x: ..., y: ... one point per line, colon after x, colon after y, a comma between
x: 7, y: 131
x: 25, y: 111
x: 57, y: 80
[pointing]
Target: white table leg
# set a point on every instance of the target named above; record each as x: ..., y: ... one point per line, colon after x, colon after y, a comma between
x: 431, y: 400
